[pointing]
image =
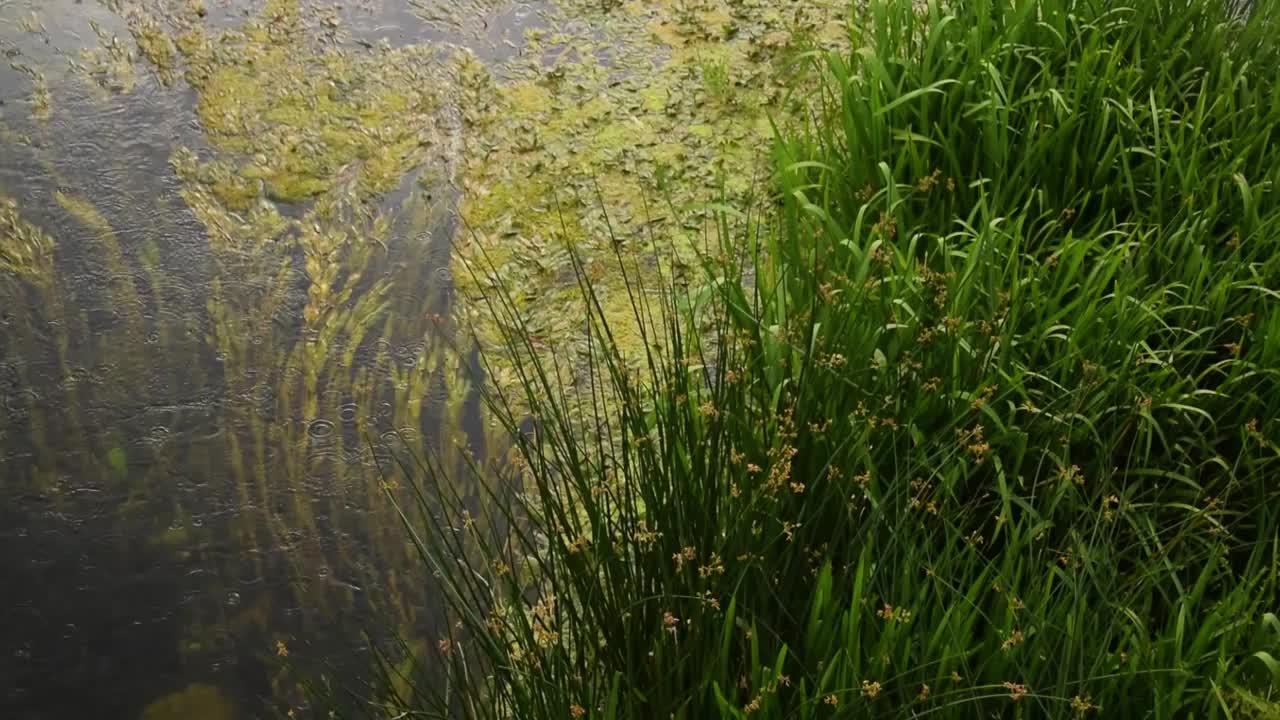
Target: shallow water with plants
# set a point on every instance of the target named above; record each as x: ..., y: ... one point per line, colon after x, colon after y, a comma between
x: 238, y: 242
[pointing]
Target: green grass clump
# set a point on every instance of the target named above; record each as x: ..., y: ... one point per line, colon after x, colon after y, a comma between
x: 980, y: 421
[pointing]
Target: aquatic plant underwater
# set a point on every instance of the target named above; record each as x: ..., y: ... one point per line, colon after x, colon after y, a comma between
x: 978, y: 417
x: 232, y: 397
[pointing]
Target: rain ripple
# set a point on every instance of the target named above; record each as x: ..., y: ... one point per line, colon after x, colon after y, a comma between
x: 320, y: 429
x: 19, y: 404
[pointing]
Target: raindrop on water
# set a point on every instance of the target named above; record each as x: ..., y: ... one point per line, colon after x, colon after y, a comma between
x: 9, y: 375
x: 320, y: 429
x: 353, y: 456
x: 20, y: 402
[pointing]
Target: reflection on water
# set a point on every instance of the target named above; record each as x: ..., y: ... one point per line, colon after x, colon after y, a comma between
x: 223, y: 268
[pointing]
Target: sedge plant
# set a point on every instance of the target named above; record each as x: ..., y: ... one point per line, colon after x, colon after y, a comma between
x: 979, y: 419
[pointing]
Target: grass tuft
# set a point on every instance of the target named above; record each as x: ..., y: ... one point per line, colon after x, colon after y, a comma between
x: 980, y: 420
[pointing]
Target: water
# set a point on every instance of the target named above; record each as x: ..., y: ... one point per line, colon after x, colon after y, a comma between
x: 190, y: 412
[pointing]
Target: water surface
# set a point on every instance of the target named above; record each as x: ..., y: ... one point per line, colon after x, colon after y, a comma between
x: 190, y: 413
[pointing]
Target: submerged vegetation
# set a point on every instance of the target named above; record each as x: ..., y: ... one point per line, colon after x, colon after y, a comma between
x: 978, y: 419
x: 298, y: 338
x: 27, y: 252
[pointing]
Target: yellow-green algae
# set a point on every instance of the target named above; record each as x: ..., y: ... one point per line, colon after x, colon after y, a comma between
x: 154, y: 44
x: 197, y: 701
x: 675, y: 115
x: 26, y: 251
x: 109, y: 67
x: 40, y: 99
x: 301, y: 116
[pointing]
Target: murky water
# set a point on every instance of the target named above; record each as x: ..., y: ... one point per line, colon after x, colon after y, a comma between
x: 230, y: 285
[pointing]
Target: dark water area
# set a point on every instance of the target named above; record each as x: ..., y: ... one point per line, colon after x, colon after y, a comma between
x: 189, y: 425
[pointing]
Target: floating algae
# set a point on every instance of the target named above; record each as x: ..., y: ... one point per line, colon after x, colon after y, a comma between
x: 609, y: 136
x: 155, y: 45
x: 197, y: 701
x: 301, y: 117
x: 109, y: 67
x: 41, y: 100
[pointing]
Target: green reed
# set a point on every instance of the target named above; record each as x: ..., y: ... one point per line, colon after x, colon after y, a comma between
x: 979, y: 420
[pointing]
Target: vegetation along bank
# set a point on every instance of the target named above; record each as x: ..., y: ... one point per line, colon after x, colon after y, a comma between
x: 971, y: 413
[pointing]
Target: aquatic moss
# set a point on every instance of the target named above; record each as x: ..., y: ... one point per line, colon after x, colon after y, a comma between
x: 236, y: 192
x: 236, y: 220
x: 87, y: 214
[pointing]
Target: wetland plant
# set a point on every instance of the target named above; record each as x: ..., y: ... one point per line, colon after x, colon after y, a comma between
x: 979, y: 420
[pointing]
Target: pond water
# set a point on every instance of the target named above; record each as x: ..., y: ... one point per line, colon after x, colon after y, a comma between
x: 234, y: 246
